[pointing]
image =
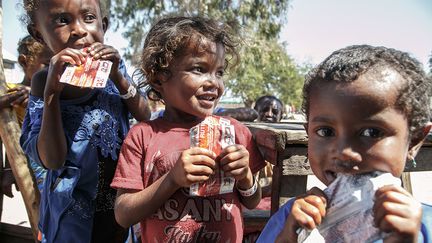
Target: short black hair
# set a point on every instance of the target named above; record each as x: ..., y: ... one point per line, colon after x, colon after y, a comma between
x: 349, y: 63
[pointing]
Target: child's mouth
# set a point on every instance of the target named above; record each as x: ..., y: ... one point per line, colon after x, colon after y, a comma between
x: 208, y: 98
x: 207, y: 101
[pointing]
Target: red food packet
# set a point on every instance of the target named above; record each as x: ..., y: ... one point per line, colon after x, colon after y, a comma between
x: 214, y: 133
x: 90, y: 74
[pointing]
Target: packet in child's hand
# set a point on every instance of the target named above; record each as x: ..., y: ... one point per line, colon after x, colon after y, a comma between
x: 90, y: 74
x: 213, y: 133
x: 349, y: 216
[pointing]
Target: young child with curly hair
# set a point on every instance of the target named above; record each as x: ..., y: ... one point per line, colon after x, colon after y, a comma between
x: 367, y: 111
x: 184, y: 61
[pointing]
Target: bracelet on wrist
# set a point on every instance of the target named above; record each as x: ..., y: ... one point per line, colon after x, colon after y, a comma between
x: 131, y: 92
x: 249, y: 192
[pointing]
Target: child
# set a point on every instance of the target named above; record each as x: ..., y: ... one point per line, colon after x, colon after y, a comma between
x: 269, y: 108
x: 367, y: 110
x: 76, y: 133
x: 183, y: 60
x: 32, y: 57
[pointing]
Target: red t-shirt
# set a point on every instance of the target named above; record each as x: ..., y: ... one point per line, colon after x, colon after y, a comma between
x: 149, y: 151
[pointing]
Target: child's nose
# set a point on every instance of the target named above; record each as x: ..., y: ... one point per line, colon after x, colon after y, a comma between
x: 214, y: 81
x: 78, y: 29
x: 346, y: 152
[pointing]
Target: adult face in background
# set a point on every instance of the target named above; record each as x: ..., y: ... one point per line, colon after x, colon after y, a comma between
x: 269, y: 108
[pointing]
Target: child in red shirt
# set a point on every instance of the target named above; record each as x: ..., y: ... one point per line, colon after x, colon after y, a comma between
x: 183, y: 61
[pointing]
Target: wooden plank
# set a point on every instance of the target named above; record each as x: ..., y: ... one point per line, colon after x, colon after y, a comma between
x: 291, y: 186
x: 294, y: 161
x: 255, y: 220
x: 276, y: 184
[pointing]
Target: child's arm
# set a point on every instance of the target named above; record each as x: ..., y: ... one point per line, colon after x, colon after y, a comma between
x: 194, y: 165
x: 307, y: 211
x: 51, y: 143
x: 398, y: 213
x: 137, y: 105
x: 234, y: 160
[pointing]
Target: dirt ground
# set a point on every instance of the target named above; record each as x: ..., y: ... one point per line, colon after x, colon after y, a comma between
x: 14, y: 210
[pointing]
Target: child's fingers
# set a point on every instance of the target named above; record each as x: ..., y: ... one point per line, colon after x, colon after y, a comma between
x: 204, y: 160
x: 202, y: 151
x: 320, y: 204
x: 199, y: 170
x: 19, y: 100
x: 233, y: 153
x: 236, y: 172
x: 199, y: 156
x: 389, y: 188
x: 70, y: 55
x: 395, y: 210
x: 196, y: 178
x: 306, y: 215
x: 399, y: 226
x: 99, y: 50
x: 9, y: 98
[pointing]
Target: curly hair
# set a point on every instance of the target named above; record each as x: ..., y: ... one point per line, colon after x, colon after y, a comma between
x: 31, y: 48
x: 349, y: 63
x: 168, y: 38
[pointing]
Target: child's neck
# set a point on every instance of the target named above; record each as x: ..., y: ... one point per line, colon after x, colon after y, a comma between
x: 186, y: 119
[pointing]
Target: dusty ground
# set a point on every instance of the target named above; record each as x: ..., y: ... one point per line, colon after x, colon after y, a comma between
x: 14, y: 211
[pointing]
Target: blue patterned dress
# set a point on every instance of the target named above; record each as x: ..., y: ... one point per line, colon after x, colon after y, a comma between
x: 94, y: 126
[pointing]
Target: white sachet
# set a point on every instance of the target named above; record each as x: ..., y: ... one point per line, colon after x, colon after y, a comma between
x: 349, y: 216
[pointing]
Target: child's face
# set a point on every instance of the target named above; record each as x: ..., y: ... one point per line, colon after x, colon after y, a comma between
x: 39, y: 62
x: 353, y: 127
x: 270, y: 111
x: 194, y: 84
x: 73, y: 23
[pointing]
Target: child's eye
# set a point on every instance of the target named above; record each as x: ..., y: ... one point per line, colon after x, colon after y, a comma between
x: 89, y: 17
x: 220, y: 73
x: 198, y: 69
x: 371, y: 132
x: 325, y: 132
x: 60, y: 20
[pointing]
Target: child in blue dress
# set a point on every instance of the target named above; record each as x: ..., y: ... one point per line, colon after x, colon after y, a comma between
x: 76, y: 133
x: 367, y: 110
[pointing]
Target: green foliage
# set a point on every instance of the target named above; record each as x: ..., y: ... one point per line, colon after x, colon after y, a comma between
x: 265, y: 68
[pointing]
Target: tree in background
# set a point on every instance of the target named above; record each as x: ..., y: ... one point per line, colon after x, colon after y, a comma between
x: 430, y: 65
x: 265, y: 67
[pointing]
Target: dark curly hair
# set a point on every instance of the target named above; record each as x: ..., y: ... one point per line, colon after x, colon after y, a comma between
x: 32, y: 49
x: 168, y: 38
x: 349, y: 63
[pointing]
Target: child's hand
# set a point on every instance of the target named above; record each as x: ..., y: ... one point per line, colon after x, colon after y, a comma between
x: 101, y: 51
x: 19, y: 95
x: 307, y: 212
x: 398, y: 213
x: 57, y: 66
x: 194, y: 165
x: 234, y: 161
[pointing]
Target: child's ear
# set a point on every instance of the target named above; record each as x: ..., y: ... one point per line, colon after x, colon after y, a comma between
x: 35, y: 33
x: 156, y: 84
x: 105, y: 23
x: 159, y: 78
x: 22, y: 60
x: 418, y: 142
